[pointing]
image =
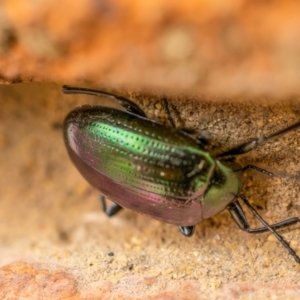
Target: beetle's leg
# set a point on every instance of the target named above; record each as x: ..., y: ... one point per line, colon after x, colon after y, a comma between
x: 112, y: 210
x: 187, y: 230
x: 166, y: 105
x: 201, y: 137
x: 252, y: 144
x: 239, y: 217
x: 126, y: 103
x: 257, y: 169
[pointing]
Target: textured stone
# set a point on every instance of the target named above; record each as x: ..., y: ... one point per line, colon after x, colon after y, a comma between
x: 23, y: 280
x: 238, y: 47
x: 34, y: 281
x: 56, y: 242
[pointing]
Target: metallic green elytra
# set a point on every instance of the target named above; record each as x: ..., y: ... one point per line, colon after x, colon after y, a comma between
x: 157, y: 170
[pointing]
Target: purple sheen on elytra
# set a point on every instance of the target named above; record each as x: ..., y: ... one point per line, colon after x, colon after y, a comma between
x: 138, y: 152
x: 148, y: 168
x: 141, y: 201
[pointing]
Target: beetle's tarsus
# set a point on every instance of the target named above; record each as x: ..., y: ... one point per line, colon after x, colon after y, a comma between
x: 187, y: 230
x: 112, y: 210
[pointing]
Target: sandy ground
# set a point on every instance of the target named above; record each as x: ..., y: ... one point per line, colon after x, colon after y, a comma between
x: 50, y: 215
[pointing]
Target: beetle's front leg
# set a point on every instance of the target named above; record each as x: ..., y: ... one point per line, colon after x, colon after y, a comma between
x: 257, y: 169
x: 239, y: 217
x: 112, y: 210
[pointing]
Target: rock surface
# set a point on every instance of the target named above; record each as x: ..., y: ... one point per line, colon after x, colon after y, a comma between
x: 56, y: 243
x: 221, y: 49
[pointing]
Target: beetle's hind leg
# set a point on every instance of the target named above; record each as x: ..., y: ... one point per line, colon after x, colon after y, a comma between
x: 126, y: 103
x: 187, y: 230
x: 112, y: 210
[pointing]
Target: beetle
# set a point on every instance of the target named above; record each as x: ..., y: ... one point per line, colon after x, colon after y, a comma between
x: 160, y: 171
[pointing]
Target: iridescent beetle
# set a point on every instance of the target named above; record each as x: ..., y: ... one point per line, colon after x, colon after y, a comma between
x: 159, y: 171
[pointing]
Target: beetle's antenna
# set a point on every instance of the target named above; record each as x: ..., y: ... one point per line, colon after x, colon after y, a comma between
x: 126, y: 103
x: 277, y: 235
x: 252, y: 144
x: 281, y: 174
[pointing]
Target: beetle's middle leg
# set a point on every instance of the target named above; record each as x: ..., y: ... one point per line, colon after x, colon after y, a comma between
x: 187, y: 230
x: 201, y: 136
x: 166, y: 105
x: 112, y: 210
